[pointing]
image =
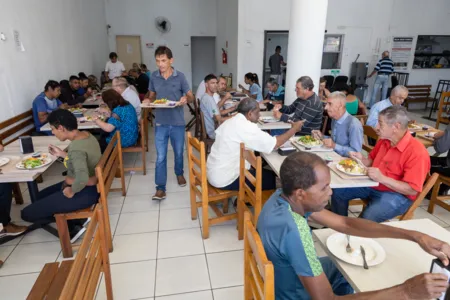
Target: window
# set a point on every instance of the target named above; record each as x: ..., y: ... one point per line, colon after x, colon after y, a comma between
x: 332, y: 50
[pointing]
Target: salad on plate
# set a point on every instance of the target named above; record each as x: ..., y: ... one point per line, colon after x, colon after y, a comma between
x: 309, y: 141
x: 351, y: 167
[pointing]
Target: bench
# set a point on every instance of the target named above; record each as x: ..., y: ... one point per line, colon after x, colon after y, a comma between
x: 78, y: 278
x: 418, y: 94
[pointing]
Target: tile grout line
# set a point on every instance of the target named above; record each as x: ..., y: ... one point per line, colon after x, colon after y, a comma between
x: 157, y: 249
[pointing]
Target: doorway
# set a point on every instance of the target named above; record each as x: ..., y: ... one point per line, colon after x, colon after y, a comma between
x: 203, y: 58
x: 272, y: 39
x: 129, y: 49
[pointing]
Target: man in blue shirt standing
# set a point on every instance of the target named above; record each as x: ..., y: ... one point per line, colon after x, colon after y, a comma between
x: 383, y: 69
x: 288, y: 243
x: 45, y: 103
x: 170, y: 84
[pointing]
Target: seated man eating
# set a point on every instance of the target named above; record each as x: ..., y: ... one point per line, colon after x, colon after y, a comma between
x: 346, y: 130
x: 276, y: 93
x: 78, y: 190
x: 224, y: 160
x: 288, y: 242
x: 400, y: 164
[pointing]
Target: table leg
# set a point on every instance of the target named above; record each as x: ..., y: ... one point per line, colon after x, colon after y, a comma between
x: 33, y: 190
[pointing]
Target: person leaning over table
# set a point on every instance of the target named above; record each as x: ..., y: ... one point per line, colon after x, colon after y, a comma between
x: 78, y: 190
x: 307, y: 107
x: 121, y: 117
x: 223, y: 162
x: 346, y: 130
x: 45, y: 103
x: 120, y: 85
x: 69, y: 94
x: 399, y: 163
x: 169, y: 83
x: 276, y: 93
x: 288, y: 243
x: 397, y: 97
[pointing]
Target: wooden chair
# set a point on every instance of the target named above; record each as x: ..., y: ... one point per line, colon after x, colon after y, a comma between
x: 78, y: 279
x: 140, y: 147
x: 203, y: 135
x: 435, y: 198
x: 362, y: 118
x: 250, y: 189
x: 259, y: 278
x: 418, y: 94
x: 197, y: 129
x: 207, y: 194
x: 369, y: 132
x: 110, y: 163
x: 443, y: 103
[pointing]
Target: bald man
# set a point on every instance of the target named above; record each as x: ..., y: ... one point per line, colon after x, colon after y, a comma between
x: 346, y: 130
x: 383, y: 69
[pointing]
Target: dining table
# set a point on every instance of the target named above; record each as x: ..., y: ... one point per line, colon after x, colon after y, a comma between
x: 272, y: 125
x: 423, y: 133
x: 404, y: 259
x: 83, y: 124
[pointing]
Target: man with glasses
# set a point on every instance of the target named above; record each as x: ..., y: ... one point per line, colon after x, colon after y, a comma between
x: 398, y: 96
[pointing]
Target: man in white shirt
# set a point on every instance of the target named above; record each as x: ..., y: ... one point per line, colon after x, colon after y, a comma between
x: 223, y: 161
x: 121, y: 86
x: 114, y: 68
x: 398, y: 96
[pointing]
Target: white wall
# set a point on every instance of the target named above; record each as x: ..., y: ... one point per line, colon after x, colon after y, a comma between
x: 203, y: 59
x: 60, y: 38
x: 227, y: 31
x: 188, y: 18
x: 363, y: 23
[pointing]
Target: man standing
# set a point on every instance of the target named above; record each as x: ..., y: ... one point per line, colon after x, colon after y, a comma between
x: 169, y: 83
x: 346, y: 130
x: 275, y: 63
x: 398, y: 96
x: 383, y: 69
x: 307, y: 107
x: 120, y: 85
x: 69, y: 92
x: 114, y: 68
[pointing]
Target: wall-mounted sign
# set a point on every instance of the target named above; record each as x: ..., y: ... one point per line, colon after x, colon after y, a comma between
x: 401, y: 52
x: 150, y: 45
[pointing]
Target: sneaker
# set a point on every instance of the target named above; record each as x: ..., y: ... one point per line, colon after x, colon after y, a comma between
x: 159, y: 195
x: 76, y: 232
x: 12, y: 229
x: 181, y: 180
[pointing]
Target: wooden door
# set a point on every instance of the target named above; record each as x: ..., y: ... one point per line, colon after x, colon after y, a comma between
x: 129, y: 49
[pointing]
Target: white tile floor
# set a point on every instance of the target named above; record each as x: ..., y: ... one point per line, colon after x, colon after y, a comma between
x: 158, y: 250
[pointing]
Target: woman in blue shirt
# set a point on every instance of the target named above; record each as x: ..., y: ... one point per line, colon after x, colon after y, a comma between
x: 122, y: 117
x: 255, y: 90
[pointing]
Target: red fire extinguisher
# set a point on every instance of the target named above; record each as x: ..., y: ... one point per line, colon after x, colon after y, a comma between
x: 224, y: 57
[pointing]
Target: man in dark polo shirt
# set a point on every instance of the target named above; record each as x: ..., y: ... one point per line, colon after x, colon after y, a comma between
x: 69, y: 92
x: 170, y: 84
x: 287, y: 239
x: 275, y: 63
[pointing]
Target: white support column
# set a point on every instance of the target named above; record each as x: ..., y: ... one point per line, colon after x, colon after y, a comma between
x: 305, y: 47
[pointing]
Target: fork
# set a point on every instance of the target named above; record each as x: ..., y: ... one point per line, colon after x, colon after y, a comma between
x: 348, y: 248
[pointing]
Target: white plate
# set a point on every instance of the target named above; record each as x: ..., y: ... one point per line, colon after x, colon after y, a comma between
x: 4, y: 161
x: 337, y: 243
x: 341, y: 169
x: 268, y: 119
x: 47, y: 161
x: 308, y: 146
x: 168, y: 104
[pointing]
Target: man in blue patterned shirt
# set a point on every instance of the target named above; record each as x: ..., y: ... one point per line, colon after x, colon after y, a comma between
x: 287, y: 239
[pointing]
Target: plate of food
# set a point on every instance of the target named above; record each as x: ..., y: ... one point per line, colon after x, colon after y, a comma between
x: 268, y: 119
x: 351, y: 167
x: 413, y: 126
x: 31, y: 162
x: 4, y: 161
x: 309, y: 141
x: 163, y: 103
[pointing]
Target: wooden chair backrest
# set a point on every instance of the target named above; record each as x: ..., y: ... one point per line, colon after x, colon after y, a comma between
x: 259, y: 282
x: 324, y: 124
x: 10, y: 128
x: 251, y: 194
x: 197, y: 165
x: 362, y: 118
x: 409, y: 214
x: 443, y: 102
x: 92, y: 259
x: 203, y: 133
x: 197, y: 118
x: 369, y: 132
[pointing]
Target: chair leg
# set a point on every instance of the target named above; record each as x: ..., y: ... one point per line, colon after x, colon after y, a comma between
x: 240, y: 221
x: 205, y: 216
x: 225, y: 206
x: 193, y: 198
x: 17, y: 193
x: 144, y: 167
x: 434, y: 195
x: 64, y: 237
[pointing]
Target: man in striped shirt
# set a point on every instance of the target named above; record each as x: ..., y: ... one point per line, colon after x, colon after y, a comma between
x: 383, y: 69
x: 307, y: 107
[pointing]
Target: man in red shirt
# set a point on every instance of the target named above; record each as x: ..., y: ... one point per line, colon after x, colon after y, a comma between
x: 399, y: 163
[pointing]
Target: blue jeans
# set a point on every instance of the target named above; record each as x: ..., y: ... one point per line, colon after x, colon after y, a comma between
x: 162, y: 135
x: 337, y: 281
x: 382, y: 206
x: 382, y: 81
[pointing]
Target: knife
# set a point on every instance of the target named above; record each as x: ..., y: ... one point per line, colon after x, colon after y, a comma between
x: 363, y: 252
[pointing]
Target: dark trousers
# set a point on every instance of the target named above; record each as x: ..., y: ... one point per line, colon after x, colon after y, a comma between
x: 268, y: 181
x: 52, y: 201
x: 439, y: 165
x: 5, y: 203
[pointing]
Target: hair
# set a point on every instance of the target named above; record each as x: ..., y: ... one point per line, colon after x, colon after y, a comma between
x: 83, y: 78
x: 135, y: 70
x: 338, y: 95
x: 113, y: 99
x: 306, y: 82
x: 278, y: 48
x: 73, y: 77
x: 112, y: 55
x: 253, y: 77
x: 64, y: 118
x: 399, y: 89
x: 122, y: 81
x: 396, y: 114
x: 210, y: 77
x: 143, y: 66
x: 343, y: 87
x: 272, y: 81
x: 247, y: 105
x: 81, y: 75
x: 92, y: 78
x: 322, y: 80
x: 51, y: 84
x: 222, y: 77
x: 163, y: 50
x: 297, y: 171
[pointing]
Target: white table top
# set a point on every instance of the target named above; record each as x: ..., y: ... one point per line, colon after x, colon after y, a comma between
x: 275, y: 160
x: 12, y: 151
x: 270, y: 126
x: 404, y: 259
x: 93, y: 101
x: 81, y: 126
